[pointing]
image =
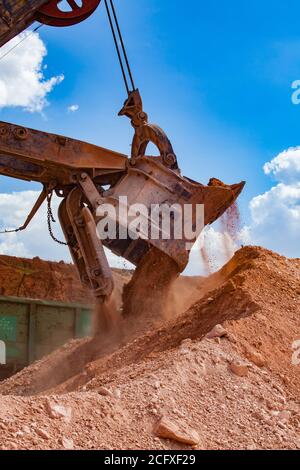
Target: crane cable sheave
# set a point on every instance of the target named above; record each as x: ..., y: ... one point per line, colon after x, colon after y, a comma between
x: 52, y: 15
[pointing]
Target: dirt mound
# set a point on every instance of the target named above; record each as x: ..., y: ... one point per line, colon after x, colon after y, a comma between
x: 59, y: 281
x: 46, y: 280
x: 191, y: 385
x: 274, y: 283
x: 249, y: 286
x: 238, y: 389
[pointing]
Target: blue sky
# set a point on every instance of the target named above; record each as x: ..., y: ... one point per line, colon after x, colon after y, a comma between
x: 215, y: 75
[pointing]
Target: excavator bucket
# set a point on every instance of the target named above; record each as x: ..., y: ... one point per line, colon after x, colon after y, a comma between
x: 169, y: 206
x: 160, y: 259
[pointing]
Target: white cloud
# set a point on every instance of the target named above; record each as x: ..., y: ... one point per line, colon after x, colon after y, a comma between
x: 22, y: 82
x: 73, y: 108
x: 35, y: 240
x: 285, y: 167
x: 275, y: 215
x: 274, y: 224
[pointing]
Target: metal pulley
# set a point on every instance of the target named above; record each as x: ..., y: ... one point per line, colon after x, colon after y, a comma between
x: 55, y: 13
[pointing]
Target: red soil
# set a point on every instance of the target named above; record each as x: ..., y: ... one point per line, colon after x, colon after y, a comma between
x: 46, y: 280
x: 114, y: 393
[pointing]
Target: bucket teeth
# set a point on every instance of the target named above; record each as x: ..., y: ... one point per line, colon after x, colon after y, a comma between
x: 218, y: 198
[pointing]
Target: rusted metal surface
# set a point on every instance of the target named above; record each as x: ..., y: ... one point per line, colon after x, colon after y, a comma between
x: 52, y: 15
x: 146, y: 133
x: 86, y: 248
x: 17, y: 15
x: 38, y: 156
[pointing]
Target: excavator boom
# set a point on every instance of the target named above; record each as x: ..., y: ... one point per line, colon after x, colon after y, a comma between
x: 38, y: 156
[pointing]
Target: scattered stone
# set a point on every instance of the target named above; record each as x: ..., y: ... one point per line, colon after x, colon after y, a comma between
x: 281, y: 400
x: 216, y: 360
x: 282, y: 425
x: 284, y: 416
x: 255, y: 357
x: 178, y: 431
x: 217, y: 332
x: 186, y: 342
x: 67, y: 444
x: 42, y: 433
x: 251, y: 447
x: 231, y: 338
x: 117, y: 393
x: 257, y: 415
x: 239, y: 368
x: 59, y: 411
x: 13, y: 445
x: 184, y: 351
x: 105, y: 392
x: 270, y: 405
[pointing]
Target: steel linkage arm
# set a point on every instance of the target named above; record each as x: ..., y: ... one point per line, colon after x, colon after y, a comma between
x: 146, y: 133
